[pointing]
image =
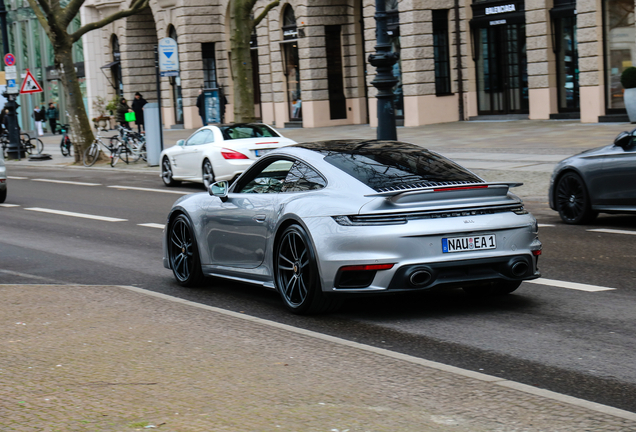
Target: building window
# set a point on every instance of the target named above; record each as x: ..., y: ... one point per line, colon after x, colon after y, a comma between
x: 441, y: 52
x: 115, y: 68
x: 335, y: 81
x: 209, y: 65
x: 290, y: 65
x: 619, y: 46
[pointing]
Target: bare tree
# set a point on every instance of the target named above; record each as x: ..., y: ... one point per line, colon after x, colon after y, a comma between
x: 55, y: 19
x: 242, y: 24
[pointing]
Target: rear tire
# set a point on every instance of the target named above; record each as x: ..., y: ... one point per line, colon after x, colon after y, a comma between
x: 572, y: 200
x: 296, y: 275
x: 3, y: 195
x: 208, y: 174
x: 183, y: 253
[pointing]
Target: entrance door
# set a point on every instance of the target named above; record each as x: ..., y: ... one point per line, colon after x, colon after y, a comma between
x: 502, y: 75
x: 567, y: 64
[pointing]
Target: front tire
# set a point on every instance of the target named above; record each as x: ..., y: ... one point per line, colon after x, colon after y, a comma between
x: 166, y: 173
x: 572, y: 200
x: 91, y: 154
x: 208, y: 174
x: 297, y: 278
x: 183, y: 253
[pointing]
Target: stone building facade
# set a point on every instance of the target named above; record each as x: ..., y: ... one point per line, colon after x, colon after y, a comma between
x: 536, y: 59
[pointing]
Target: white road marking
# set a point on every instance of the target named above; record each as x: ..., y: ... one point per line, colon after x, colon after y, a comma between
x: 150, y: 190
x: 612, y: 231
x: 17, y: 178
x: 78, y: 215
x: 570, y: 285
x: 66, y: 182
x: 546, y: 225
x: 152, y: 225
x: 9, y: 205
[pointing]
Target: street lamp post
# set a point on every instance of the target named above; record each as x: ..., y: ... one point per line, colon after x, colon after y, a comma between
x: 383, y: 60
x: 12, y: 123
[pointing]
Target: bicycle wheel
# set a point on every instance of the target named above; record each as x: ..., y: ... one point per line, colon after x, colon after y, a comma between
x: 135, y: 150
x: 65, y: 146
x: 27, y: 147
x: 37, y: 145
x: 91, y: 154
x: 115, y: 156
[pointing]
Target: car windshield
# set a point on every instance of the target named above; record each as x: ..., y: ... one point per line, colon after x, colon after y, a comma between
x: 240, y: 131
x: 384, y: 166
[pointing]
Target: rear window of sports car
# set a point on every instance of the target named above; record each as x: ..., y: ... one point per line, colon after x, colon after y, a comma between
x: 383, y: 167
x: 240, y: 131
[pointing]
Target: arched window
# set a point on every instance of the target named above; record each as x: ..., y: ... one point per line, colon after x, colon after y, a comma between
x: 115, y: 69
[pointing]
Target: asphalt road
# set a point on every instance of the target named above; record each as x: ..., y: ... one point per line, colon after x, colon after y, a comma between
x: 564, y: 339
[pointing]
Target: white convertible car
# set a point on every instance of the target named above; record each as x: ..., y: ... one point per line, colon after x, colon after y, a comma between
x: 216, y: 153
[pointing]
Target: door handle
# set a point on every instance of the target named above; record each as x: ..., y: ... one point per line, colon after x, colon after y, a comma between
x: 260, y: 218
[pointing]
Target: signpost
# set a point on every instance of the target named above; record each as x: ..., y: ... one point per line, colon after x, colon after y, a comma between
x: 11, y: 75
x: 30, y: 85
x: 168, y: 57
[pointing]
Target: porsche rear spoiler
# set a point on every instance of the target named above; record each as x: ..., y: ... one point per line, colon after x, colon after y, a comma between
x: 395, y: 195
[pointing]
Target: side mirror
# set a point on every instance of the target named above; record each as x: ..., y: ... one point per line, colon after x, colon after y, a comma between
x: 624, y: 139
x: 220, y: 189
x: 181, y: 143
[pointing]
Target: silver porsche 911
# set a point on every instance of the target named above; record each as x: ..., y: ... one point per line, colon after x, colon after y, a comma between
x: 321, y: 221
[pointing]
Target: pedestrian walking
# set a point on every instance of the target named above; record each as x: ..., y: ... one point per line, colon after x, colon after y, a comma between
x: 138, y: 109
x: 201, y: 106
x: 120, y: 115
x: 38, y: 116
x: 52, y: 115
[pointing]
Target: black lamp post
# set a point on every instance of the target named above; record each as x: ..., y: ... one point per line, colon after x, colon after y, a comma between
x: 384, y: 81
x: 12, y: 123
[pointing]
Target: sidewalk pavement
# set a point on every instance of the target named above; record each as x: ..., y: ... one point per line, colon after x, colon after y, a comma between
x: 109, y: 358
x: 522, y: 150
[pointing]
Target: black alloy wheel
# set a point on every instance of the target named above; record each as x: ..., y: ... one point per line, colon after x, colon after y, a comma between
x: 208, y: 174
x: 166, y: 173
x: 297, y: 278
x: 183, y: 253
x: 572, y: 200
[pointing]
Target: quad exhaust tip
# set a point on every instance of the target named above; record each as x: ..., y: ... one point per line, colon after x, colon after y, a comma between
x: 519, y: 268
x: 420, y: 277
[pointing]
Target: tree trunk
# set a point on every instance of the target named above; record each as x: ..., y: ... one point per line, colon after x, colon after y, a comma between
x: 80, y: 129
x: 241, y: 31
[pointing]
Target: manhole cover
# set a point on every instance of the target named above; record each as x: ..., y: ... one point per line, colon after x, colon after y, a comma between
x: 40, y: 157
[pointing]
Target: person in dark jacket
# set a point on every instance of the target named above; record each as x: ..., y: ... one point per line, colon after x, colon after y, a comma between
x: 201, y: 106
x: 120, y: 115
x: 138, y: 108
x: 52, y: 115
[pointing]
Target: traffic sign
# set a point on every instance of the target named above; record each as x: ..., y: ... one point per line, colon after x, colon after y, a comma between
x: 168, y: 57
x: 10, y: 72
x: 30, y: 85
x: 9, y: 59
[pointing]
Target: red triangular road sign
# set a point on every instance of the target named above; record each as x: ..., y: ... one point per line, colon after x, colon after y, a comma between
x: 30, y: 85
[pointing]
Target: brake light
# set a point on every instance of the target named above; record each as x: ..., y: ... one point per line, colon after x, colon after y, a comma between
x: 536, y: 252
x: 460, y: 188
x: 268, y: 142
x: 367, y: 267
x: 231, y: 154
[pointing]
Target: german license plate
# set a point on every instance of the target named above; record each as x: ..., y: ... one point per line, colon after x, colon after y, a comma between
x: 262, y: 152
x: 465, y: 244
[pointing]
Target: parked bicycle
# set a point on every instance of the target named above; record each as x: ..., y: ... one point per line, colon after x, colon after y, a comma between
x: 27, y: 144
x: 135, y: 143
x: 65, y: 145
x: 91, y: 154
